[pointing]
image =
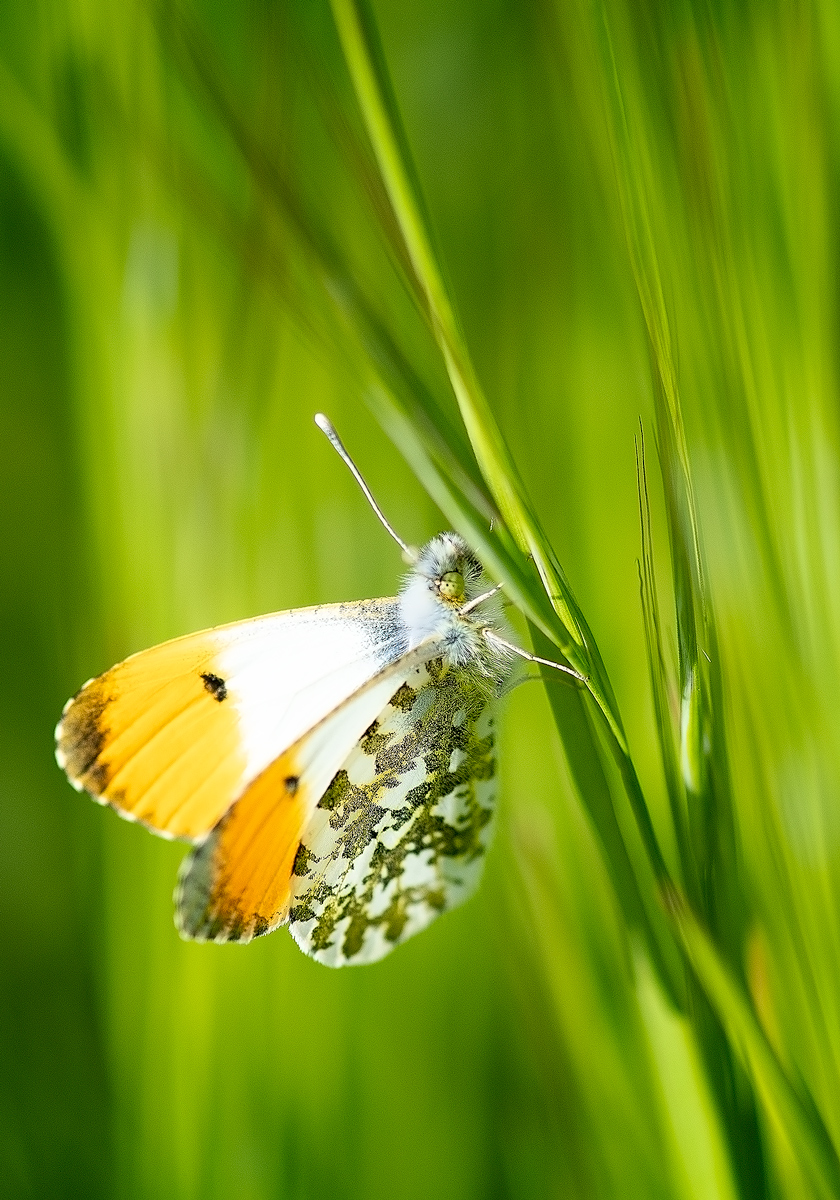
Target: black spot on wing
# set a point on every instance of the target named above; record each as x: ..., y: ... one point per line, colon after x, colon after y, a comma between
x: 336, y: 793
x: 404, y: 699
x: 215, y: 685
x: 301, y: 913
x: 372, y: 741
x: 359, y: 831
x: 302, y: 860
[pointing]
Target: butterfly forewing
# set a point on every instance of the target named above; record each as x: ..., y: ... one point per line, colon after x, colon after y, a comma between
x: 400, y: 833
x: 173, y: 735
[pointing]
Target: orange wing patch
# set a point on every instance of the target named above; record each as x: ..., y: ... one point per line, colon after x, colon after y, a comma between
x: 157, y: 738
x: 237, y: 884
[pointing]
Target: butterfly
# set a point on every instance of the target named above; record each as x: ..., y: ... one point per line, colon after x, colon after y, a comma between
x: 334, y: 767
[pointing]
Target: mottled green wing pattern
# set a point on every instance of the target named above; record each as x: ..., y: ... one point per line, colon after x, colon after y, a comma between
x: 400, y: 834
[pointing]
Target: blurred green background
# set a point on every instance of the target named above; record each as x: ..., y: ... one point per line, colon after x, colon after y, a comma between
x: 197, y: 253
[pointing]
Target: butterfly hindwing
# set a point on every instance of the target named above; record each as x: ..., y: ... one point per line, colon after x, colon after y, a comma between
x: 400, y: 833
x: 173, y: 735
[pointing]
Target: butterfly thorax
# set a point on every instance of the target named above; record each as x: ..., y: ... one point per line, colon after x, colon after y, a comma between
x: 445, y: 577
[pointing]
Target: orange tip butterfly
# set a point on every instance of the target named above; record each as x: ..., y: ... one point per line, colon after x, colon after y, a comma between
x: 333, y: 766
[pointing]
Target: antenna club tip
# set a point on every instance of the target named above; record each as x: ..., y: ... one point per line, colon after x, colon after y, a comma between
x: 323, y: 423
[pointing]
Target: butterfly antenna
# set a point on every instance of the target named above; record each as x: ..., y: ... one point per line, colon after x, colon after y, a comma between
x: 326, y: 426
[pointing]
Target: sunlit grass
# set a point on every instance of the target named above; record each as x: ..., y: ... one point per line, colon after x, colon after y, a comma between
x: 498, y: 239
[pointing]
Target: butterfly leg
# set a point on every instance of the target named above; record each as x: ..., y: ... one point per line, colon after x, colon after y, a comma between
x: 494, y: 639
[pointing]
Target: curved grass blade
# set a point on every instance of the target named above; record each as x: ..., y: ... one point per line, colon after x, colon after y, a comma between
x: 639, y: 893
x: 365, y: 61
x: 658, y: 673
x: 367, y: 69
x: 700, y: 790
x: 792, y: 1114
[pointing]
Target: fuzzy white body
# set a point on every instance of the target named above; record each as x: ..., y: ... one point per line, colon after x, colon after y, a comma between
x: 425, y: 613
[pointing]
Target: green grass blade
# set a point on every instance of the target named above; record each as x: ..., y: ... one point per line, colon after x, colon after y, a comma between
x: 792, y: 1115
x: 366, y: 65
x: 698, y: 1144
x: 660, y: 685
x: 367, y: 69
x: 365, y: 62
x: 585, y: 749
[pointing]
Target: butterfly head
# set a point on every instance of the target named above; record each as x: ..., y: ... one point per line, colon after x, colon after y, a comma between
x: 435, y: 600
x: 451, y: 572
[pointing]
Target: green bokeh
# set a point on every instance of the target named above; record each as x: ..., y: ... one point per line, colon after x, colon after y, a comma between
x: 197, y: 254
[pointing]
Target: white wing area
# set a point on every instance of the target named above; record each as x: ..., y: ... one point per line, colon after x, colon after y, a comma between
x: 173, y: 735
x: 285, y: 673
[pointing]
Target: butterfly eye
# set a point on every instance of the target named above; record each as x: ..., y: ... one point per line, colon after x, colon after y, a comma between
x: 451, y: 585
